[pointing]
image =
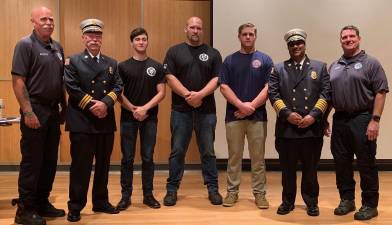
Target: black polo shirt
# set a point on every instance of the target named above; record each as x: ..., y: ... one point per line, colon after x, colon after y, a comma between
x: 140, y: 80
x: 194, y: 67
x: 42, y: 64
x: 355, y: 82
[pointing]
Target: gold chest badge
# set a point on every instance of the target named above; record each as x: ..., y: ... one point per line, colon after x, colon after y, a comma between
x: 313, y: 75
x: 110, y: 70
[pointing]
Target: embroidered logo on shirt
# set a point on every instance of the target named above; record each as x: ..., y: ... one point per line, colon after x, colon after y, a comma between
x: 43, y: 53
x: 256, y: 63
x: 203, y: 57
x: 151, y: 71
x: 358, y: 66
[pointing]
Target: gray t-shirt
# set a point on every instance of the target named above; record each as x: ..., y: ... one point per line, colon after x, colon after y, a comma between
x: 355, y: 82
x: 43, y: 66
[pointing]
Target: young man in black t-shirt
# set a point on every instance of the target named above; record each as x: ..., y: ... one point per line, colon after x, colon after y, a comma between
x: 191, y: 71
x: 144, y: 88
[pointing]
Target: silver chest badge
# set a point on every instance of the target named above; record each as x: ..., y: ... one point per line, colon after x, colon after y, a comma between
x: 358, y: 66
x: 203, y: 57
x: 151, y: 71
x: 60, y: 56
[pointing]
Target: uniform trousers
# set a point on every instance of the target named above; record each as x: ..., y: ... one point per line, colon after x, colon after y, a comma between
x: 308, y: 151
x: 39, y: 148
x: 84, y: 147
x: 349, y: 139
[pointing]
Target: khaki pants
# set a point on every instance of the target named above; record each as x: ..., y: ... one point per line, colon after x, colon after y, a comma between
x: 256, y: 133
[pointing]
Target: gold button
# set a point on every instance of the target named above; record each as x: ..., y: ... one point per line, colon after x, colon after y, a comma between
x: 294, y: 107
x: 104, y: 91
x: 93, y: 81
x: 293, y: 99
x: 306, y: 98
x: 104, y: 81
x: 293, y: 90
x: 306, y: 107
x: 92, y: 91
x: 305, y: 89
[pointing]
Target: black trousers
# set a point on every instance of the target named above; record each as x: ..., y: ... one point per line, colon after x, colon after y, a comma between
x: 39, y: 148
x: 84, y: 147
x: 349, y: 138
x: 308, y: 151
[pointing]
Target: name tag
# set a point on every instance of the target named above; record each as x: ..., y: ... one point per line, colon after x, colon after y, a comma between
x: 43, y: 53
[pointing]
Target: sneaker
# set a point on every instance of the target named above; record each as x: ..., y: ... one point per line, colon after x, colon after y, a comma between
x: 230, y: 199
x: 260, y: 201
x: 215, y: 198
x: 366, y: 213
x: 345, y: 206
x: 170, y: 199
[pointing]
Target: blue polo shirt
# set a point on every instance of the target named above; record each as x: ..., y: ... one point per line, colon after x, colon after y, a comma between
x: 246, y: 75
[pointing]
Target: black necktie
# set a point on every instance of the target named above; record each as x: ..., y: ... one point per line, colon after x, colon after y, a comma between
x: 95, y: 59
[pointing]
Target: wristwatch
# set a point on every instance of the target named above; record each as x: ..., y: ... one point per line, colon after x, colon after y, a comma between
x: 376, y: 118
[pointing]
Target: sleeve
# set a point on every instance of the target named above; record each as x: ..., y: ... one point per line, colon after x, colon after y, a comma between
x: 160, y: 74
x: 73, y: 84
x: 325, y: 95
x: 224, y: 72
x: 274, y: 95
x: 169, y: 64
x: 216, y: 64
x: 116, y: 89
x: 269, y: 67
x: 379, y: 81
x: 21, y: 61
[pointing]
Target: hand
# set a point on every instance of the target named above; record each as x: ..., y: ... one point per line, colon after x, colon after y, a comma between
x: 239, y: 115
x: 306, y: 121
x: 372, y: 130
x: 294, y: 118
x: 140, y: 113
x: 246, y: 109
x: 327, y: 129
x: 31, y: 120
x: 99, y: 109
x: 194, y: 99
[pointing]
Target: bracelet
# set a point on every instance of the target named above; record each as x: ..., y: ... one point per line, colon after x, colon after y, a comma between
x: 28, y: 114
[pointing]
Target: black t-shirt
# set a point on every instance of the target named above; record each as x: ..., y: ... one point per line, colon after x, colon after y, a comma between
x: 194, y: 67
x: 140, y: 80
x: 43, y: 66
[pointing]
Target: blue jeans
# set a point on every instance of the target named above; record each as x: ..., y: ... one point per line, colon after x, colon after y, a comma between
x: 181, y: 125
x: 129, y: 131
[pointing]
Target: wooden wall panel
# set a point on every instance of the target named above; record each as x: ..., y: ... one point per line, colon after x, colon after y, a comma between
x: 165, y: 21
x: 118, y: 17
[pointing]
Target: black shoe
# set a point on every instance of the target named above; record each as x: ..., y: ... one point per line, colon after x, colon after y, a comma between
x: 151, y: 202
x: 170, y: 199
x: 366, y: 213
x: 106, y: 208
x: 30, y: 217
x: 313, y: 210
x: 285, y: 208
x: 215, y: 198
x: 345, y: 206
x: 48, y: 210
x: 123, y: 204
x: 73, y: 216
x: 25, y: 215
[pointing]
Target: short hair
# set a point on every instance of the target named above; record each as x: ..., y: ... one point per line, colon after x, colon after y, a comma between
x: 245, y: 25
x: 136, y: 32
x: 350, y: 27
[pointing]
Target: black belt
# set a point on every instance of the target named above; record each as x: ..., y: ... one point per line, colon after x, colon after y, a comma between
x: 344, y: 114
x: 50, y: 103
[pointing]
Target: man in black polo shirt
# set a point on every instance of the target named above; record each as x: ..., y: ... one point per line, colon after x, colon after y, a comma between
x: 37, y: 70
x: 191, y: 71
x: 359, y: 87
x: 144, y: 88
